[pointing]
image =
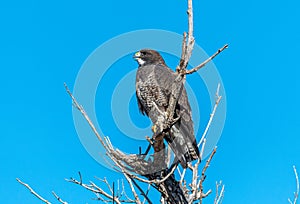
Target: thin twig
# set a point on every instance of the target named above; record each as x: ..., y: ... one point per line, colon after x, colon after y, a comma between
x: 183, y: 50
x: 142, y: 191
x: 203, y: 176
x: 124, y: 192
x: 193, y: 185
x: 296, y: 194
x: 99, y: 191
x: 80, y: 108
x: 137, y: 199
x: 202, y: 148
x: 80, y: 177
x: 148, y: 189
x: 118, y: 191
x: 96, y: 189
x: 58, y: 198
x: 179, y: 172
x: 206, y: 61
x: 218, y: 99
x: 99, y: 197
x: 219, y: 197
x: 217, y: 192
x: 182, y: 176
x: 106, y: 182
x: 33, y: 192
x: 188, y: 41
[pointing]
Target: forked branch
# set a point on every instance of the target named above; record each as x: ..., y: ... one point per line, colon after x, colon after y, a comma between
x: 219, y: 196
x: 99, y: 192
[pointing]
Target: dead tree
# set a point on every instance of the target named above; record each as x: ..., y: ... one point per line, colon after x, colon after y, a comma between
x: 135, y: 167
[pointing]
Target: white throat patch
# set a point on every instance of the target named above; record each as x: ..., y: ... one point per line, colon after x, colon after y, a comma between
x: 140, y: 61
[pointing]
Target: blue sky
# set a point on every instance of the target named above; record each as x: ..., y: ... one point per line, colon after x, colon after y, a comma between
x: 44, y: 44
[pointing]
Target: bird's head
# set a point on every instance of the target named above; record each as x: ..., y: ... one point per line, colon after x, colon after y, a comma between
x: 146, y: 56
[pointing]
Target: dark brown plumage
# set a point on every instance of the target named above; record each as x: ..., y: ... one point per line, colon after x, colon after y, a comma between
x: 153, y: 88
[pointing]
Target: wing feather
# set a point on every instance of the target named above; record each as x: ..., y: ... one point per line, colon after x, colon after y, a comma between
x: 154, y: 85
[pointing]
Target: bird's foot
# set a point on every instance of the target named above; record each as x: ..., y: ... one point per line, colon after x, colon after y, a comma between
x: 160, y: 125
x: 172, y: 121
x: 163, y: 123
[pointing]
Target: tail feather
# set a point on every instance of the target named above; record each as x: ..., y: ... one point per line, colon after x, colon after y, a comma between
x: 182, y: 133
x: 183, y: 145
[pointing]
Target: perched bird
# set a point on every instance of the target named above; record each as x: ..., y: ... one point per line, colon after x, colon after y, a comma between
x: 154, y: 82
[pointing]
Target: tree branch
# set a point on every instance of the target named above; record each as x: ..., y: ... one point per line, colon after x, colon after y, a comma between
x: 206, y: 61
x: 137, y: 199
x: 97, y: 190
x: 80, y: 108
x: 188, y: 41
x: 33, y: 192
x: 219, y: 197
x: 58, y: 198
x: 296, y: 194
x: 203, y: 176
x: 217, y: 101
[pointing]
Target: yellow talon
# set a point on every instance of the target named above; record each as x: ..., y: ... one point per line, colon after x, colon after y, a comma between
x: 154, y: 128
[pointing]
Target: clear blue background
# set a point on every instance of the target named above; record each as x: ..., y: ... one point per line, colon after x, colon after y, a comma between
x: 44, y: 44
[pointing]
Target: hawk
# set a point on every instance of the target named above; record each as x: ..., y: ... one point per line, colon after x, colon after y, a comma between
x: 153, y: 89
